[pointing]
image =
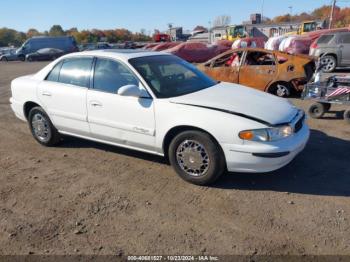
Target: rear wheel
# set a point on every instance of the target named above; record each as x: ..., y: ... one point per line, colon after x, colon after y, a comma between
x: 42, y: 128
x: 347, y: 116
x: 196, y: 157
x: 317, y: 110
x: 21, y: 58
x: 329, y: 63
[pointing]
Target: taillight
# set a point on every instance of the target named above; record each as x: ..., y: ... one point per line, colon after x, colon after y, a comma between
x: 314, y: 45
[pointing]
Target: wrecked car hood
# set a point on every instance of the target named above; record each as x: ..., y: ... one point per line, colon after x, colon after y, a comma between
x: 242, y: 101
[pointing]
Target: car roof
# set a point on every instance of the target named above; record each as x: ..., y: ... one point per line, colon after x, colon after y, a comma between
x: 337, y: 33
x: 123, y: 54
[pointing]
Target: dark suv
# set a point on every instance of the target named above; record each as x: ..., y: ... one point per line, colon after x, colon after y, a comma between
x: 65, y: 43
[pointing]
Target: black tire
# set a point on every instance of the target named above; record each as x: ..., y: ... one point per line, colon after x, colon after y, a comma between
x: 347, y: 116
x: 329, y: 63
x: 317, y: 110
x: 281, y: 89
x: 53, y: 137
x: 215, y: 166
x: 22, y: 58
x: 327, y: 106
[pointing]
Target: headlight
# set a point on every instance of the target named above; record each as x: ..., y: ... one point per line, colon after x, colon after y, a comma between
x: 266, y: 134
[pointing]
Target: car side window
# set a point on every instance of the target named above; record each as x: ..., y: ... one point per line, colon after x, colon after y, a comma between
x: 259, y: 59
x: 110, y: 75
x: 345, y: 39
x: 55, y: 72
x: 76, y: 71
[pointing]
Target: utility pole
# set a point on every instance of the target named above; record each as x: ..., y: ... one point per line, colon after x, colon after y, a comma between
x: 332, y: 14
x: 290, y: 12
x: 262, y: 11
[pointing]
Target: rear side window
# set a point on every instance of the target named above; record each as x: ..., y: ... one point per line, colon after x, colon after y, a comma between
x: 55, y: 72
x: 76, y: 71
x: 110, y: 75
x: 344, y: 39
x: 325, y: 39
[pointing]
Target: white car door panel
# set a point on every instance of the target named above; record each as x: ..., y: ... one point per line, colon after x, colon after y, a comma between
x: 123, y: 120
x: 63, y: 94
x: 66, y: 106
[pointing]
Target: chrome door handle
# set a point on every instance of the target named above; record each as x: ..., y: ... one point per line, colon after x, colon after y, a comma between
x: 45, y: 93
x: 95, y: 103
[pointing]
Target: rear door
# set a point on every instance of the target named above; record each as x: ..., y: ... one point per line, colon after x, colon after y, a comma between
x: 63, y: 94
x: 344, y: 46
x: 258, y: 69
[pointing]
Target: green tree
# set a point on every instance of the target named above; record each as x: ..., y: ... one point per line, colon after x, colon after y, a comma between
x: 32, y: 32
x: 56, y: 30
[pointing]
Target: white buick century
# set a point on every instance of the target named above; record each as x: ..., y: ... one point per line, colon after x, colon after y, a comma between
x: 159, y: 104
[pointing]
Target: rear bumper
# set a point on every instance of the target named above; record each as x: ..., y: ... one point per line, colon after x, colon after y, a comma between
x: 262, y: 158
x: 17, y: 108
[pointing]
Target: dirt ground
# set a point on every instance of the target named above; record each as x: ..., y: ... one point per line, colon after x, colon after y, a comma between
x: 87, y: 198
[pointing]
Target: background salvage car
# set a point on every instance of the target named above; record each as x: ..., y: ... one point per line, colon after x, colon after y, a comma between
x: 45, y: 54
x: 333, y: 49
x: 270, y: 71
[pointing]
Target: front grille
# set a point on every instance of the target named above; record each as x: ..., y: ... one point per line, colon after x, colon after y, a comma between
x: 299, y: 125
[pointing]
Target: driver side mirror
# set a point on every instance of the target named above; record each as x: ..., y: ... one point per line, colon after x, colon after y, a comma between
x: 133, y: 90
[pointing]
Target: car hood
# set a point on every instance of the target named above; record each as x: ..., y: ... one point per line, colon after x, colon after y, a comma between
x: 243, y: 101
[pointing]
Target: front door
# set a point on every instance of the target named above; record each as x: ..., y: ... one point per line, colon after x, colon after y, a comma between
x: 224, y: 68
x: 127, y: 121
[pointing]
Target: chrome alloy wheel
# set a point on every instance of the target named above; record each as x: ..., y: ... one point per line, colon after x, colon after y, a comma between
x: 41, y: 128
x: 193, y: 158
x: 282, y: 91
x: 328, y: 64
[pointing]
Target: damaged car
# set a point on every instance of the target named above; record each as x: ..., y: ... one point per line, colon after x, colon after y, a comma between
x: 274, y: 72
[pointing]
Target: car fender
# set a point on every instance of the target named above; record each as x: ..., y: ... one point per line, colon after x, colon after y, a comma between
x: 224, y: 127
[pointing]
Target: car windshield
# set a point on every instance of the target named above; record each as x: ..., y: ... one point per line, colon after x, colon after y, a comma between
x: 170, y: 76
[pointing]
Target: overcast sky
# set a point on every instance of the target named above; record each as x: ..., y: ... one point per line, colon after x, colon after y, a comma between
x: 137, y: 14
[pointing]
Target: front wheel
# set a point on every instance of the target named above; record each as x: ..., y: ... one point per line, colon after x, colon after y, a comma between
x: 42, y: 128
x: 196, y: 157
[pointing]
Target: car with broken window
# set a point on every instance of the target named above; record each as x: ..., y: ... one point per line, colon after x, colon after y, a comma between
x: 274, y: 72
x: 160, y: 104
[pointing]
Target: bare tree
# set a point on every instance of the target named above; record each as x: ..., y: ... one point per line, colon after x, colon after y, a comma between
x: 222, y: 20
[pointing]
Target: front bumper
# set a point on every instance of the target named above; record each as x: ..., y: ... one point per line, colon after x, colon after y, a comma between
x: 265, y: 157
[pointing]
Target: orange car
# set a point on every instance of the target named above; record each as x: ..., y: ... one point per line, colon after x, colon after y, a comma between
x: 270, y: 71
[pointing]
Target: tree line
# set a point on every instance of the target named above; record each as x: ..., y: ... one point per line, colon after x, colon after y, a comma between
x: 12, y: 37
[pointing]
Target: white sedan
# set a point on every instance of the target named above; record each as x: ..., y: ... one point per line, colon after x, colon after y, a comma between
x: 159, y: 104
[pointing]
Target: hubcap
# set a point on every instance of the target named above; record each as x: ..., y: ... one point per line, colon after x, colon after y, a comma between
x: 41, y: 127
x: 193, y: 158
x: 282, y: 90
